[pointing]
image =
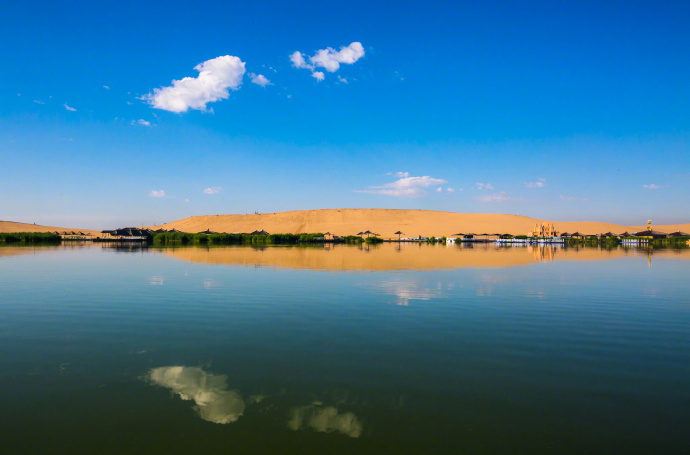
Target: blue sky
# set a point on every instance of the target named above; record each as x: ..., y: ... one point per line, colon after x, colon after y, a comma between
x: 561, y: 112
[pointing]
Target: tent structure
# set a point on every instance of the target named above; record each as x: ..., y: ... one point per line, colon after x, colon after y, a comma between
x: 650, y: 233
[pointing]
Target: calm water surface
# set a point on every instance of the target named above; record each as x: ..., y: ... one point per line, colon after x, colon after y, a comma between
x: 412, y: 349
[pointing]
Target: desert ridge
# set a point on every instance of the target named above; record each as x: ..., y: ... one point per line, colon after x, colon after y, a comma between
x: 386, y: 222
x: 11, y: 226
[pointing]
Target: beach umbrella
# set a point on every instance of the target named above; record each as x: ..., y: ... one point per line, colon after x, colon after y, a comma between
x: 367, y: 233
x: 360, y: 234
x: 399, y: 234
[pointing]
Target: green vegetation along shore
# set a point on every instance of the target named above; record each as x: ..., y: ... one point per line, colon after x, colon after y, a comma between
x: 181, y: 238
x: 29, y: 237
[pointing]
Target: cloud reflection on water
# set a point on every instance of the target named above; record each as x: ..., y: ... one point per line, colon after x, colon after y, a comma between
x: 326, y: 420
x: 405, y: 289
x: 214, y: 402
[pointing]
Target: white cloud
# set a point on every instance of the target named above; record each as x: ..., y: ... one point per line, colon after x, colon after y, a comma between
x: 186, y: 200
x: 216, y: 77
x: 157, y: 193
x: 651, y: 186
x: 39, y: 102
x: 214, y: 403
x: 328, y: 59
x: 212, y: 190
x: 259, y: 79
x: 106, y: 87
x: 69, y: 108
x: 142, y: 122
x: 484, y: 186
x: 450, y: 190
x: 540, y: 183
x: 439, y: 189
x: 298, y: 60
x: 572, y: 198
x: 411, y: 187
x: 342, y: 79
x: 495, y: 197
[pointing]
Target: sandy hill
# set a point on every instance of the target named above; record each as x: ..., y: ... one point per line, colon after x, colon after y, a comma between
x: 11, y: 226
x: 387, y: 221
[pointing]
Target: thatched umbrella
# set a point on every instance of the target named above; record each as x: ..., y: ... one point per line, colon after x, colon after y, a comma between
x: 399, y: 234
x: 360, y: 234
x: 207, y: 232
x: 368, y: 233
x: 174, y: 230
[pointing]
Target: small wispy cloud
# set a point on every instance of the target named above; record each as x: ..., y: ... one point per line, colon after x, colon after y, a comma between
x: 157, y: 193
x: 216, y: 77
x: 342, y: 79
x: 495, y: 197
x: 141, y: 121
x: 212, y: 190
x: 651, y: 186
x: 409, y: 187
x: 484, y: 186
x: 439, y: 189
x: 450, y: 190
x: 69, y: 108
x: 400, y: 175
x: 106, y: 87
x: 39, y: 102
x: 540, y: 183
x: 328, y: 59
x: 259, y: 79
x: 572, y: 198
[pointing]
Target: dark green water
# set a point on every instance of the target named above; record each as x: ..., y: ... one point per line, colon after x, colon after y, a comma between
x: 159, y: 351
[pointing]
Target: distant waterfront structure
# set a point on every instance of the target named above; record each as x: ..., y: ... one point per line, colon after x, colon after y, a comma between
x: 545, y: 230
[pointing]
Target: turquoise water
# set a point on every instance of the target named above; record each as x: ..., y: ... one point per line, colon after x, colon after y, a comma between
x: 260, y: 351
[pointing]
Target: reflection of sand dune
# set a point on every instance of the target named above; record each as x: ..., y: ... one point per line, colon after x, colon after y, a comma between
x: 389, y: 257
x: 388, y: 221
x: 213, y: 402
x: 326, y: 420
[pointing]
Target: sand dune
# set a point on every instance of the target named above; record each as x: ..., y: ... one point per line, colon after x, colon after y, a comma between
x: 387, y: 221
x: 11, y: 226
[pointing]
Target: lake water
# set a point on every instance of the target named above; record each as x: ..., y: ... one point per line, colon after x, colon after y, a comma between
x: 389, y: 349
